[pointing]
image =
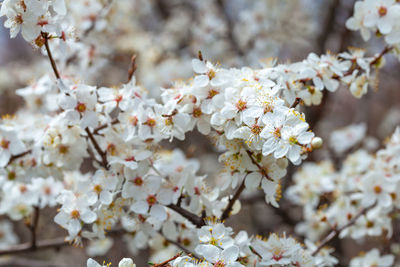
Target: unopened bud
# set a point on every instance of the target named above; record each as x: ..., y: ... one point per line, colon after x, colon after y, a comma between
x: 317, y: 142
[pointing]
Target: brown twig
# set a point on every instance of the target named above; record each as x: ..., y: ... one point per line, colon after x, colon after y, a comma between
x: 193, y: 218
x: 14, y: 157
x: 105, y: 125
x: 33, y: 227
x: 164, y: 263
x: 262, y: 170
x: 255, y: 252
x: 376, y: 59
x: 296, y: 102
x: 102, y: 154
x: 45, y: 35
x: 232, y: 201
x: 132, y: 68
x: 40, y: 245
x: 337, y: 231
x: 230, y: 25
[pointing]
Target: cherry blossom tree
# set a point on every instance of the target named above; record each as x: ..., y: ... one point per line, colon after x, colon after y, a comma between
x: 107, y: 158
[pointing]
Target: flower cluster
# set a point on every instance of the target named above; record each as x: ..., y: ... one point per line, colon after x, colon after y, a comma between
x: 97, y: 152
x: 32, y: 17
x: 359, y: 198
x: 381, y: 17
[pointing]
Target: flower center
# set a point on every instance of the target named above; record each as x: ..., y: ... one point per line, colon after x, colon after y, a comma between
x: 256, y: 129
x: 133, y: 120
x: 186, y: 242
x: 212, y: 93
x: 168, y: 121
x: 19, y: 19
x: 382, y: 11
x: 150, y: 122
x: 219, y: 264
x: 197, y: 112
x: 75, y: 214
x: 130, y: 159
x: 63, y: 149
x: 197, y: 191
x: 277, y: 254
x: 377, y: 189
x: 118, y: 98
x: 97, y: 188
x: 23, y: 5
x: 241, y: 105
x: 151, y: 200
x: 277, y: 133
x: 4, y: 143
x: 138, y: 181
x: 23, y: 188
x: 11, y: 175
x: 112, y: 149
x: 293, y: 140
x: 370, y: 224
x: 81, y: 107
x: 211, y: 74
x: 47, y: 190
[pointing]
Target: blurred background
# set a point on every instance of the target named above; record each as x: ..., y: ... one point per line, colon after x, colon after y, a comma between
x: 165, y: 35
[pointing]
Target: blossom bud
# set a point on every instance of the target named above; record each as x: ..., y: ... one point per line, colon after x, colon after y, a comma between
x: 126, y: 262
x: 317, y: 142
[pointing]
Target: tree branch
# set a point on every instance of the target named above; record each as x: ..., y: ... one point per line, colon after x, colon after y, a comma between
x: 232, y: 201
x: 14, y: 157
x: 229, y: 25
x: 105, y: 125
x: 164, y: 263
x: 262, y: 170
x: 102, y: 154
x: 40, y: 245
x: 337, y: 231
x: 33, y: 227
x: 45, y: 35
x: 193, y: 218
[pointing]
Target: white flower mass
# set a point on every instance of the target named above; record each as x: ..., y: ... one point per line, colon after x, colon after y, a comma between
x: 255, y: 116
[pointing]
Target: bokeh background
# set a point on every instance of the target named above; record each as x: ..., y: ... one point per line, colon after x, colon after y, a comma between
x: 165, y: 35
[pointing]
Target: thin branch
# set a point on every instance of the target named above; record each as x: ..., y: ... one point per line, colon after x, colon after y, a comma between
x: 40, y: 245
x: 14, y: 157
x: 337, y: 231
x: 102, y: 154
x: 230, y: 25
x: 376, y: 59
x: 45, y: 35
x: 193, y: 218
x: 296, y: 102
x: 164, y: 263
x: 255, y: 252
x: 262, y: 170
x: 105, y: 125
x: 179, y: 245
x: 132, y: 68
x: 232, y: 201
x: 162, y: 8
x: 33, y: 227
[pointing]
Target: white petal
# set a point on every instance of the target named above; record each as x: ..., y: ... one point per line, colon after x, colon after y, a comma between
x: 140, y: 207
x: 158, y: 212
x: 253, y: 180
x: 59, y: 7
x: 230, y: 254
x: 88, y: 216
x: 4, y: 157
x: 201, y: 81
x: 199, y: 66
x: 74, y: 227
